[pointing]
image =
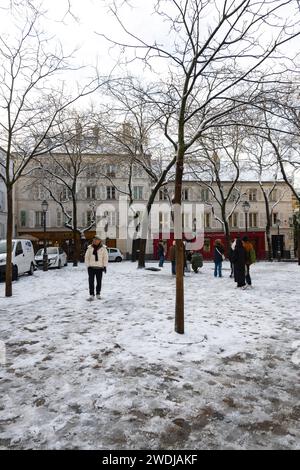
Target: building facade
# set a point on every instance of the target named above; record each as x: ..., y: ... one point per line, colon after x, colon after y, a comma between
x: 103, y: 188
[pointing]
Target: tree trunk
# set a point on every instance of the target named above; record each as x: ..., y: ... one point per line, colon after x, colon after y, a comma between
x: 142, y: 253
x: 179, y: 306
x: 268, y: 227
x: 227, y: 231
x: 9, y: 236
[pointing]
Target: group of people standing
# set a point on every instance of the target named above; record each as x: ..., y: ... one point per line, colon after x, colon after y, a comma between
x: 241, y: 256
x: 192, y: 259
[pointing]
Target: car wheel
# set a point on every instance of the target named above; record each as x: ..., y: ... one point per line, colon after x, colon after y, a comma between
x: 31, y: 270
x: 59, y: 265
x: 118, y: 259
x: 15, y: 273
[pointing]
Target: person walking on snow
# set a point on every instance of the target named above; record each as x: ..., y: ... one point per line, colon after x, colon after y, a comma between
x: 161, y: 254
x: 218, y: 258
x: 96, y: 260
x: 250, y: 258
x: 239, y: 261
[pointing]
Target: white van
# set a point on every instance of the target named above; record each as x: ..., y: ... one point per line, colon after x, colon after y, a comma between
x: 22, y: 257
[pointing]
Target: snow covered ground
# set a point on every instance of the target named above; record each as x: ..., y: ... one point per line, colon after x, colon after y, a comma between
x: 112, y: 374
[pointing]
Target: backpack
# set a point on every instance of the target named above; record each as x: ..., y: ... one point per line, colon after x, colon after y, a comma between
x: 252, y: 256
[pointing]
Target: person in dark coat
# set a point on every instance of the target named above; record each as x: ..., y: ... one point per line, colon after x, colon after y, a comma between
x: 218, y: 257
x: 239, y: 260
x: 161, y: 254
x: 230, y: 257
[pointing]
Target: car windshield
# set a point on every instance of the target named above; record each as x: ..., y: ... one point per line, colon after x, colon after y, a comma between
x: 3, y: 246
x: 50, y: 251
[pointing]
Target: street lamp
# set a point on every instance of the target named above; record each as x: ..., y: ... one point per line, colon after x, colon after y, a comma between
x: 246, y: 208
x: 45, y: 255
x: 277, y: 223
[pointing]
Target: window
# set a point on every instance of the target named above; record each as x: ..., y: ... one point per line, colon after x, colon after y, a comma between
x: 253, y: 194
x: 39, y: 218
x: 58, y: 219
x: 185, y: 194
x: 23, y: 218
x: 253, y: 216
x: 66, y: 194
x: 206, y: 246
x: 207, y: 220
x: 70, y: 215
x: 138, y: 192
x: 204, y: 195
x: 111, y: 170
x: 2, y: 234
x: 91, y: 171
x: 274, y: 195
x: 91, y: 192
x: 163, y: 195
x: 233, y: 220
x: 110, y: 192
x: 19, y: 249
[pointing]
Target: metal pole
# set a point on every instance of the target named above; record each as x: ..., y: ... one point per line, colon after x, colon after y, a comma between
x: 45, y: 255
x: 246, y: 214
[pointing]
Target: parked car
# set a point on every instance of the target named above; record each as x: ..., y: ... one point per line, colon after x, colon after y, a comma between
x: 22, y: 258
x: 114, y: 254
x: 57, y: 258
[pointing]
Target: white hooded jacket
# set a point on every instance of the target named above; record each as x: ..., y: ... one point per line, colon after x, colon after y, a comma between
x: 90, y: 260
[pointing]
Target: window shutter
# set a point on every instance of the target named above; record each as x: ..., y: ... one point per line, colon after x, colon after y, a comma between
x: 31, y: 219
x: 48, y: 218
x: 262, y: 220
x: 102, y: 192
x: 242, y: 220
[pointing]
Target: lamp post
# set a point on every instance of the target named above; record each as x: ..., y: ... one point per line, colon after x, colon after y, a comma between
x: 246, y: 208
x: 45, y: 255
x: 277, y: 223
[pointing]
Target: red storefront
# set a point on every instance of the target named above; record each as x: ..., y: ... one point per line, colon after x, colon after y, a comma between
x: 256, y: 238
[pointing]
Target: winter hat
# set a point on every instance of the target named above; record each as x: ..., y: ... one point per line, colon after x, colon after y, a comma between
x: 96, y: 237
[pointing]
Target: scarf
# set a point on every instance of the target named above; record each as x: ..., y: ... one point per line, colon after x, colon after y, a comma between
x: 95, y: 252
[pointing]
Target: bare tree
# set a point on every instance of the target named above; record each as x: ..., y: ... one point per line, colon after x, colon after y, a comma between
x: 32, y: 99
x: 219, y: 158
x: 212, y: 70
x: 140, y: 139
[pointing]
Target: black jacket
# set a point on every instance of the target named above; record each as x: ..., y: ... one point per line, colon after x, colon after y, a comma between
x: 218, y: 252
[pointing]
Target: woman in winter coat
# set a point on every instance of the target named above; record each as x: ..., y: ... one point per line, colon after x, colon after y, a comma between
x: 96, y: 260
x: 218, y: 257
x: 239, y: 261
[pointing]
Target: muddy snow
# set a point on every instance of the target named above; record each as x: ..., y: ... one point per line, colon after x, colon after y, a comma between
x: 113, y: 374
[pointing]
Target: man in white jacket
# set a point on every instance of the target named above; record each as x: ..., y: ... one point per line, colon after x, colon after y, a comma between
x: 96, y: 260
